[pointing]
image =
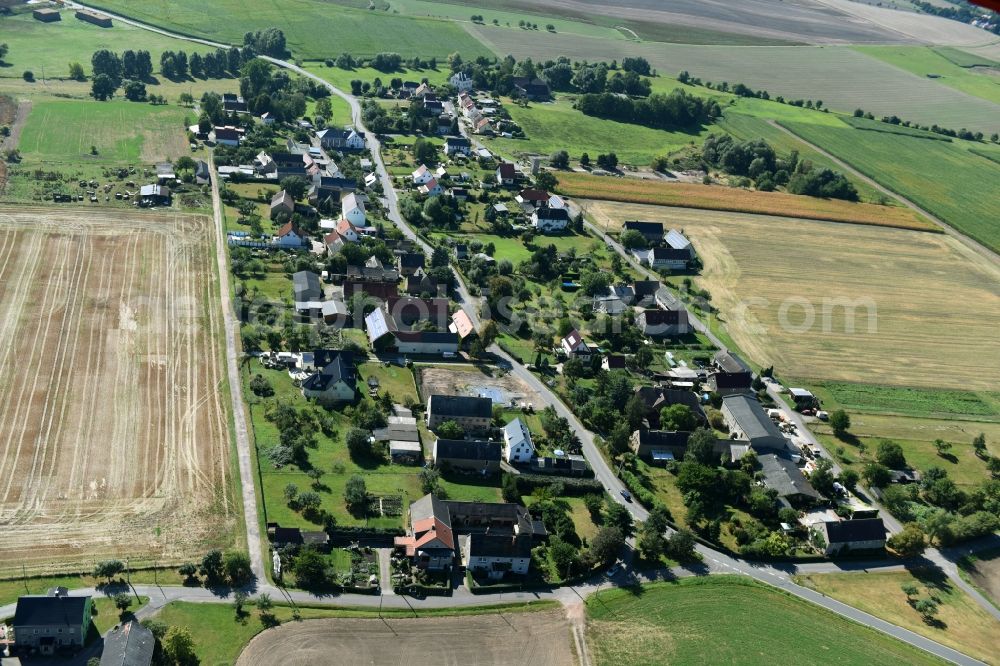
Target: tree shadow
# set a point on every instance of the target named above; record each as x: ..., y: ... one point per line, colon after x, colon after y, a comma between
x: 950, y: 457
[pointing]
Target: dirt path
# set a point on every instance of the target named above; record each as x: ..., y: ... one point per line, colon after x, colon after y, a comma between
x: 948, y: 229
x: 20, y: 116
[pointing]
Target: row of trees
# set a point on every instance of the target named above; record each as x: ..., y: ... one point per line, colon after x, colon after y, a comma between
x: 672, y: 111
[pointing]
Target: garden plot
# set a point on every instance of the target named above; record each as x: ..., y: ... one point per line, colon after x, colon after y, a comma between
x: 115, y: 437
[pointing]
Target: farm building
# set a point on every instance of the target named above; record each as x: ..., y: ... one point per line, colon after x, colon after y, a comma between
x: 663, y: 323
x: 47, y: 15
x: 51, y: 622
x: 472, y: 413
x: 94, y: 17
x: 531, y: 89
x: 678, y: 241
x: 748, y: 421
x: 154, y: 195
x: 781, y: 474
x: 550, y: 219
x: 668, y: 258
x: 655, y: 399
x: 731, y: 375
x: 470, y: 455
x: 282, y: 202
x: 652, y: 232
x: 128, y: 644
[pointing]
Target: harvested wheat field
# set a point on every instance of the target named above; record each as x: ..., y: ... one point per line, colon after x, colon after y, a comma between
x: 115, y: 435
x: 737, y: 200
x: 926, y: 309
x: 526, y: 639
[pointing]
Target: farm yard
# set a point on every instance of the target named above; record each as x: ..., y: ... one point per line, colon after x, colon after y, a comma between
x: 950, y: 186
x: 118, y: 437
x: 745, y: 622
x: 314, y: 29
x: 757, y: 267
x: 733, y: 199
x: 542, y: 639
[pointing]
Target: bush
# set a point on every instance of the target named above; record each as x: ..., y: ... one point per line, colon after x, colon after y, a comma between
x: 28, y: 76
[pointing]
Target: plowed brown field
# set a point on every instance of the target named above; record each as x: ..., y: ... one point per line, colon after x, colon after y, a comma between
x: 113, y: 430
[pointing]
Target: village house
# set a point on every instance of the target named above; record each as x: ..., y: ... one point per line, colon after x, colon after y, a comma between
x: 291, y: 237
x: 334, y: 379
x: 51, y: 622
x: 550, y: 219
x: 506, y: 174
x: 663, y: 323
x: 410, y: 262
x: 782, y: 474
x: 661, y: 446
x: 333, y: 138
x: 853, y: 535
x: 411, y: 325
x: 202, y: 176
x: 531, y: 199
x: 233, y: 103
x: 467, y: 455
x: 420, y: 283
x: 228, y: 135
x: 667, y: 258
x: 473, y: 414
x: 490, y: 538
x: 128, y: 644
x: 574, y: 345
x: 431, y: 188
x: 282, y: 202
x: 613, y: 362
x: 652, y: 232
x: 461, y: 325
x: 306, y: 287
x: 517, y: 445
x: 353, y: 210
x: 730, y: 375
x: 457, y: 145
x: 422, y: 175
x: 461, y: 81
x: 655, y: 398
x: 531, y: 89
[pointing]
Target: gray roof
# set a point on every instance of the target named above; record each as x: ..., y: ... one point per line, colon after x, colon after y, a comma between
x: 461, y: 405
x: 498, y: 545
x: 306, y: 286
x: 784, y: 476
x: 130, y: 644
x: 430, y: 506
x: 465, y: 449
x: 52, y: 611
x: 730, y: 362
x: 750, y: 416
x: 862, y: 529
x: 336, y: 366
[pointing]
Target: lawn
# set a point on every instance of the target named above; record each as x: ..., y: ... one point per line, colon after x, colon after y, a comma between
x: 512, y: 248
x: 725, y: 619
x: 844, y: 303
x: 48, y: 48
x: 944, y: 178
x: 63, y: 131
x: 929, y: 62
x: 313, y: 29
x: 736, y: 200
x: 961, y: 623
x: 342, y: 78
x: 558, y: 126
x: 393, y: 379
x: 107, y: 615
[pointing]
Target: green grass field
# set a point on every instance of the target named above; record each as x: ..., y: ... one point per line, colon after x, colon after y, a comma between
x: 48, y: 48
x: 313, y: 29
x: 944, y: 178
x: 558, y: 126
x: 749, y: 127
x: 61, y: 130
x: 908, y: 401
x: 964, y: 58
x: 342, y: 78
x: 723, y: 619
x: 961, y: 623
x: 930, y: 62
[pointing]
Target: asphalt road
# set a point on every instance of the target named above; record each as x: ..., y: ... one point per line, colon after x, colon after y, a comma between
x: 715, y: 562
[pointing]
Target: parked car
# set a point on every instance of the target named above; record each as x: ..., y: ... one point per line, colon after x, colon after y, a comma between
x: 627, y: 495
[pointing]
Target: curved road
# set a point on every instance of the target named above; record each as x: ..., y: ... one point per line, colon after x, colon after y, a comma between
x: 715, y: 562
